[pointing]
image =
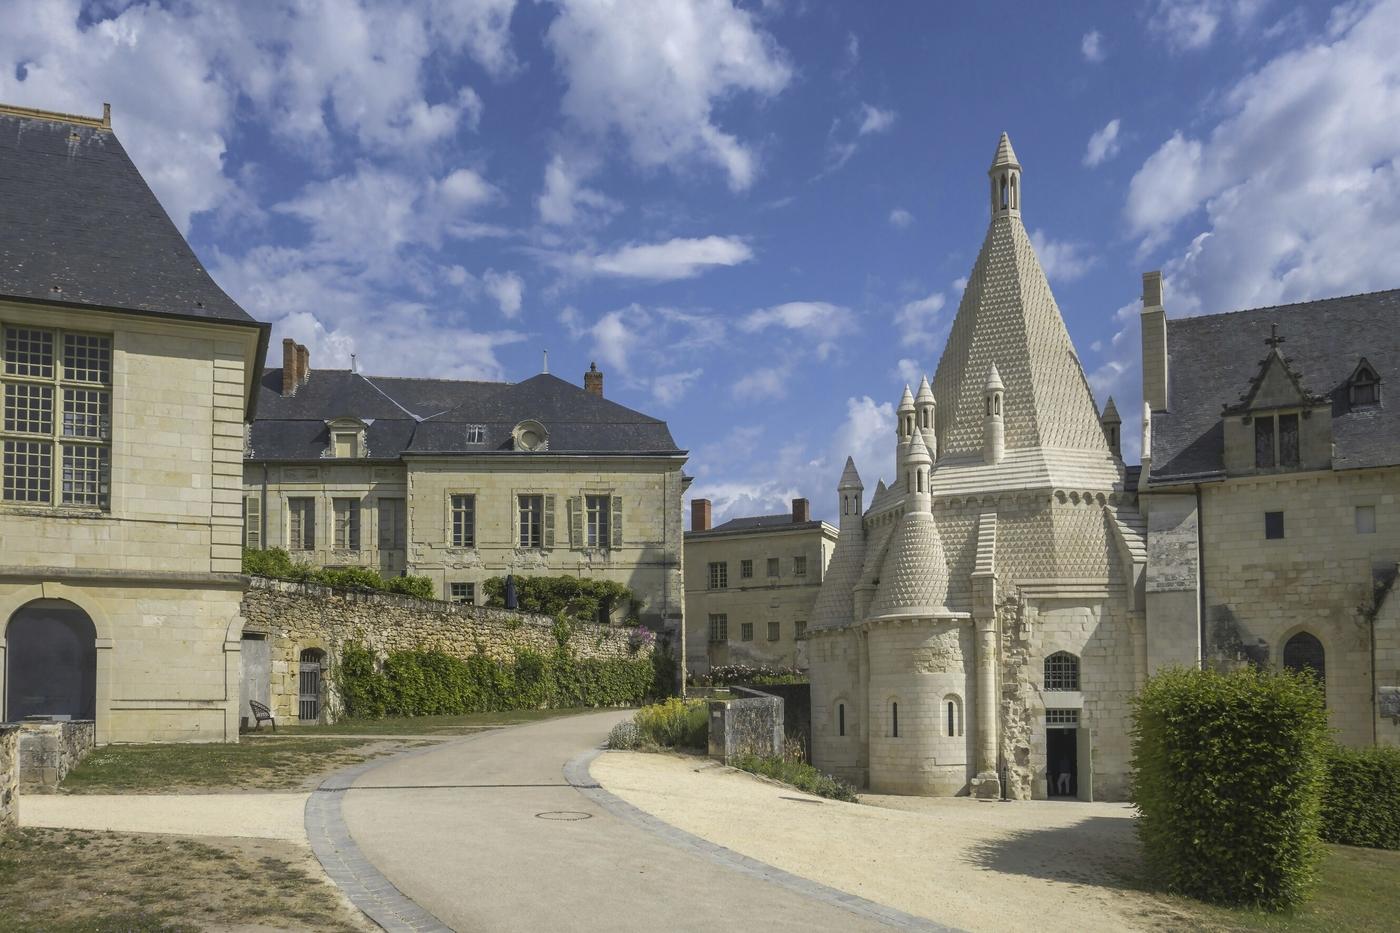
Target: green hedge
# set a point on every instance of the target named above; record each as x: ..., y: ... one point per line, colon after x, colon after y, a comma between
x: 426, y: 683
x: 1361, y: 805
x: 581, y: 599
x: 278, y: 564
x: 1228, y: 775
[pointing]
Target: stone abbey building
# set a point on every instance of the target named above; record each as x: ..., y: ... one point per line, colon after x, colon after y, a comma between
x: 986, y: 619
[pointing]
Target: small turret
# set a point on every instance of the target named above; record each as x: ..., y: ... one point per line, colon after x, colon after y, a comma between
x: 1112, y: 426
x: 993, y: 430
x: 903, y: 429
x: 852, y: 493
x: 917, y: 466
x: 925, y: 411
x: 1006, y: 180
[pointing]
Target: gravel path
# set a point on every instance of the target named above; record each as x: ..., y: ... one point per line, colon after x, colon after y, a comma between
x: 258, y: 816
x: 1031, y: 865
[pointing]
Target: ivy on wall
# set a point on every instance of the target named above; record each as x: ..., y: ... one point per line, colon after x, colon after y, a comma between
x: 578, y: 598
x: 426, y: 683
x: 279, y: 565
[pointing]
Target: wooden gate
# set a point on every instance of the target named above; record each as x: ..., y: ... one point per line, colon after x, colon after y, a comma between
x: 309, y: 707
x: 256, y: 682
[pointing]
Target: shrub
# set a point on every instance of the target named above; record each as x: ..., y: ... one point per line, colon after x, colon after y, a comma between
x: 675, y: 723
x: 625, y: 736
x: 1227, y: 780
x: 577, y: 598
x: 799, y: 774
x: 756, y: 674
x: 425, y: 683
x: 1361, y: 803
x: 279, y: 565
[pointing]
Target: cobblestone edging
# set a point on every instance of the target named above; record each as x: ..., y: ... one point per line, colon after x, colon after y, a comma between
x: 346, y: 865
x: 577, y: 773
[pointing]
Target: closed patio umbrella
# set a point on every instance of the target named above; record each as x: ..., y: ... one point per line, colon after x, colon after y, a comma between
x: 512, y: 601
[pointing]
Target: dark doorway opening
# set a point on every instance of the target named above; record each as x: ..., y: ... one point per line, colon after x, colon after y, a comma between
x: 1061, y: 759
x: 51, y: 662
x: 309, y: 693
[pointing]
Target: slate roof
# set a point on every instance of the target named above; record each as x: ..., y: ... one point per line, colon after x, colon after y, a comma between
x: 77, y: 215
x: 1211, y: 360
x: 781, y: 522
x: 431, y: 416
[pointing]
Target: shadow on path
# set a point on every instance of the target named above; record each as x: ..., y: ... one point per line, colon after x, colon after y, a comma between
x: 1097, y: 850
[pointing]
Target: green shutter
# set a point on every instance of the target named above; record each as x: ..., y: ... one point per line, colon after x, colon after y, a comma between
x: 576, y: 539
x: 252, y: 522
x: 549, y: 521
x: 617, y: 521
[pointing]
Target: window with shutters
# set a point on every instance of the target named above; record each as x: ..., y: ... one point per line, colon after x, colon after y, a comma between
x: 347, y: 524
x: 393, y: 525
x: 535, y: 521
x: 597, y: 522
x: 463, y: 508
x: 56, y: 431
x: 252, y: 522
x: 773, y: 630
x: 301, y: 523
x: 719, y: 628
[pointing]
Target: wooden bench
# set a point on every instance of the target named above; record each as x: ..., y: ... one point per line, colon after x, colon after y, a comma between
x: 262, y: 714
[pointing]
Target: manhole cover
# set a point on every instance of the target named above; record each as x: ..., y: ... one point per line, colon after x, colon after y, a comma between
x: 563, y: 815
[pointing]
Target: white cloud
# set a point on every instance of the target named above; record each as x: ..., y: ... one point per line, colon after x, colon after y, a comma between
x: 507, y: 289
x: 867, y: 435
x: 678, y: 258
x: 900, y: 218
x: 919, y: 323
x: 823, y: 322
x: 875, y: 120
x: 670, y: 388
x: 1091, y: 46
x: 566, y: 201
x: 908, y: 371
x: 1191, y: 25
x: 1103, y: 144
x: 654, y: 72
x: 762, y: 383
x: 648, y: 348
x: 1062, y: 260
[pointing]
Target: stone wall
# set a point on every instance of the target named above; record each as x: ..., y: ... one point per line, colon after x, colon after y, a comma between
x: 298, y: 616
x: 746, y: 725
x: 9, y: 777
x: 49, y: 750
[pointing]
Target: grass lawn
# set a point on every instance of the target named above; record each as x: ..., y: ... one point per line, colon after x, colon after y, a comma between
x: 252, y: 764
x: 59, y: 880
x: 1356, y: 891
x: 429, y: 725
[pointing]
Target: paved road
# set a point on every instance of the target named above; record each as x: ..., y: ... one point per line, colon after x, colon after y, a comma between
x: 458, y: 830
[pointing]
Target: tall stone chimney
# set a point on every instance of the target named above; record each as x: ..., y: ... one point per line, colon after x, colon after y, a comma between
x: 289, y: 366
x: 801, y: 511
x: 303, y: 365
x: 699, y: 514
x: 593, y: 381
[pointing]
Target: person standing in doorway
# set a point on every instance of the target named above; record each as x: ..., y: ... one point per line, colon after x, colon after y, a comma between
x: 1062, y: 783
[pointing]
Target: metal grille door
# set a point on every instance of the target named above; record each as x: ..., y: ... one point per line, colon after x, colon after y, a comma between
x: 309, y: 709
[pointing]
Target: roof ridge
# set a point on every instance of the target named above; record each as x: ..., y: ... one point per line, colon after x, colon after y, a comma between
x: 1291, y: 304
x: 103, y: 122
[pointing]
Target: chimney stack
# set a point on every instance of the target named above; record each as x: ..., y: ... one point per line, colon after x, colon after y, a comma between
x: 296, y: 366
x: 801, y: 511
x: 699, y: 514
x: 593, y: 381
x: 303, y: 365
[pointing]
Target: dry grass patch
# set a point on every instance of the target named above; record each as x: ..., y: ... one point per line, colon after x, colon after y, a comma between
x: 58, y: 880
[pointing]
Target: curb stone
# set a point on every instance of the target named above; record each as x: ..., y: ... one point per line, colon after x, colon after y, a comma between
x: 577, y: 772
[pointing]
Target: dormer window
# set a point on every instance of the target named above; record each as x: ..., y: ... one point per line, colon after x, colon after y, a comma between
x: 1364, y: 386
x: 530, y: 436
x: 347, y: 444
x: 476, y: 434
x: 1276, y: 440
x: 347, y: 438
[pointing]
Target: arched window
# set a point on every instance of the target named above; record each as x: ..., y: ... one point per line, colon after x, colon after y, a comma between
x: 1062, y: 671
x: 921, y: 481
x: 989, y: 406
x: 894, y: 720
x: 840, y: 718
x: 996, y: 404
x: 51, y: 649
x: 1303, y: 652
x: 1004, y: 193
x: 953, y: 714
x: 1014, y: 200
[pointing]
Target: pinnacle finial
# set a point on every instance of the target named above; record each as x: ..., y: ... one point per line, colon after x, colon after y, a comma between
x: 1110, y: 413
x: 994, y: 378
x: 925, y: 392
x: 850, y: 477
x: 1005, y: 154
x: 906, y: 401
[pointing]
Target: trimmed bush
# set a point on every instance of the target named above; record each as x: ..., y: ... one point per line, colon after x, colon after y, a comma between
x: 578, y: 598
x: 625, y: 736
x: 279, y: 565
x: 675, y: 723
x: 1361, y: 805
x: 1228, y: 770
x: 428, y: 683
x: 799, y: 774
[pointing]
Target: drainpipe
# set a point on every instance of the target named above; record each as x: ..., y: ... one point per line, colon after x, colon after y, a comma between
x: 1201, y: 567
x: 262, y: 517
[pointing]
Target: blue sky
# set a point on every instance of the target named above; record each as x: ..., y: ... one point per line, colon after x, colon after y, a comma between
x: 755, y: 216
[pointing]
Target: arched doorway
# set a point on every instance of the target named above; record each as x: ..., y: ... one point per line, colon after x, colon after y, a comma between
x: 51, y: 662
x: 1304, y: 652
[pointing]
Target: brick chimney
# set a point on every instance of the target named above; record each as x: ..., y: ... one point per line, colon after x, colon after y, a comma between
x: 801, y: 511
x: 699, y: 514
x: 593, y: 381
x: 289, y: 366
x: 303, y: 365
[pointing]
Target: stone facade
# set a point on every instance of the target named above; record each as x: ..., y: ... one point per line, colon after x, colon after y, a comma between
x: 774, y: 599
x: 49, y: 750
x: 748, y: 724
x: 295, y: 618
x: 9, y: 776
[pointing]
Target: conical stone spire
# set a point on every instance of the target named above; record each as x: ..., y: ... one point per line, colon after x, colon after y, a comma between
x: 850, y: 478
x: 1006, y: 156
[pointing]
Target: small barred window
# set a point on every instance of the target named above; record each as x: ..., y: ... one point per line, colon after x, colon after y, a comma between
x: 1062, y: 718
x: 1062, y: 671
